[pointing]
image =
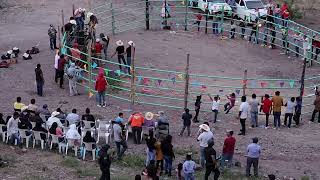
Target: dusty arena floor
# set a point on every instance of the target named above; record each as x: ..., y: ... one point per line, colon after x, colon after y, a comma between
x: 289, y: 152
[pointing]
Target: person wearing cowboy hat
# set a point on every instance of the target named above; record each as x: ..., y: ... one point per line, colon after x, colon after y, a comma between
x: 205, y: 136
x: 136, y: 121
x: 52, y: 32
x: 120, y: 52
x: 53, y: 119
x: 129, y: 52
x: 105, y: 43
x: 149, y: 122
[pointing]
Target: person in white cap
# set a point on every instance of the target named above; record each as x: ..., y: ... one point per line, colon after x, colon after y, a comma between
x: 52, y: 32
x: 120, y: 52
x: 205, y: 136
x: 129, y: 51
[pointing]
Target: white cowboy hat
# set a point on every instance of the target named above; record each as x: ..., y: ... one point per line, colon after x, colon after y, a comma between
x: 15, y: 48
x: 23, y: 108
x: 148, y: 116
x: 54, y: 113
x: 73, y: 22
x: 204, y: 127
x: 9, y: 52
x: 131, y: 43
x: 97, y: 40
x: 119, y: 43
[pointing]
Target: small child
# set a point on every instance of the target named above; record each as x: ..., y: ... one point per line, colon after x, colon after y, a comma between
x: 159, y: 156
x: 229, y: 105
x: 289, y: 111
x: 188, y: 168
x: 198, y: 21
x: 179, y: 172
x: 233, y: 29
x: 215, y: 106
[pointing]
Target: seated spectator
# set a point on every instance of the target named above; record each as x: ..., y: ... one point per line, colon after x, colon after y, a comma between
x: 32, y: 107
x: 3, y: 122
x: 39, y: 128
x: 36, y: 118
x: 73, y: 117
x: 162, y: 119
x: 149, y: 122
x: 45, y: 111
x: 88, y: 117
x: 18, y: 105
x: 12, y: 127
x: 89, y: 139
x: 62, y: 116
x: 24, y: 120
x: 54, y: 119
x: 55, y: 130
x: 73, y: 134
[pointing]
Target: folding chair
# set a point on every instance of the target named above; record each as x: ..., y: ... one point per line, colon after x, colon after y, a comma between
x: 3, y: 133
x: 88, y: 147
x: 37, y: 137
x: 103, y: 127
x: 71, y: 143
x: 23, y: 135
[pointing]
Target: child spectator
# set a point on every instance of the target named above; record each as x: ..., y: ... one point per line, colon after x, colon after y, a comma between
x: 289, y: 111
x: 179, y: 172
x: 186, y: 117
x: 198, y: 21
x: 18, y: 105
x: 188, y: 168
x: 215, y: 106
x: 229, y: 105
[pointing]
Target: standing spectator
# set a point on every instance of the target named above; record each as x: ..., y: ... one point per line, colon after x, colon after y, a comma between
x: 120, y: 52
x: 211, y: 162
x: 136, y: 120
x: 100, y: 87
x: 56, y: 62
x: 105, y: 43
x: 73, y: 117
x: 273, y: 37
x: 159, y: 156
x: 277, y: 102
x: 254, y: 108
x: 296, y: 41
x: 232, y: 29
x: 151, y: 141
x: 12, y: 128
x: 243, y: 114
x: 254, y: 31
x: 316, y: 108
x: 267, y: 108
x: 229, y: 105
x: 71, y: 72
x: 186, y: 117
x: 39, y: 80
x: 52, y: 32
x: 205, y: 136
x: 198, y: 20
x: 79, y: 17
x: 129, y: 51
x: 167, y: 150
x: 61, y: 63
x: 297, y: 113
x: 254, y: 151
x: 289, y: 111
x: 197, y: 106
x: 242, y: 25
x: 104, y: 162
x: 215, y: 106
x: 306, y: 45
x: 228, y: 149
x: 98, y: 50
x: 18, y: 105
x: 277, y: 14
x: 316, y: 46
x: 76, y: 55
x: 119, y: 140
x: 285, y: 16
x: 285, y: 42
x: 215, y: 24
x: 189, y: 167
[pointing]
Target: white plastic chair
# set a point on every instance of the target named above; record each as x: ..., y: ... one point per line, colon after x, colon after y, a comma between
x: 84, y: 131
x: 88, y: 147
x: 87, y: 124
x: 3, y: 133
x: 71, y: 143
x: 108, y: 136
x: 33, y: 124
x: 37, y: 137
x: 23, y: 135
x: 103, y: 127
x: 55, y: 140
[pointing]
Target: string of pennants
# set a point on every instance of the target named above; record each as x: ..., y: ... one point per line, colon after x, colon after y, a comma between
x: 271, y: 84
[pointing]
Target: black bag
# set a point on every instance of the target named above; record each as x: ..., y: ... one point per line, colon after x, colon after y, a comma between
x: 34, y: 50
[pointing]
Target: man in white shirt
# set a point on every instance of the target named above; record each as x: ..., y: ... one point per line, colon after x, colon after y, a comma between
x: 205, y: 136
x: 254, y: 152
x: 290, y: 106
x: 56, y: 60
x: 243, y: 114
x: 53, y: 119
x: 73, y: 117
x: 215, y: 106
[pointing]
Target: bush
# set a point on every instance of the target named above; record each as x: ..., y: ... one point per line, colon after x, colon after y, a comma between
x: 295, y: 11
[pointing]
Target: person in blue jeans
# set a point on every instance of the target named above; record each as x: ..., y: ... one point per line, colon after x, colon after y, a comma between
x: 167, y: 150
x: 188, y: 168
x: 277, y: 103
x: 254, y: 106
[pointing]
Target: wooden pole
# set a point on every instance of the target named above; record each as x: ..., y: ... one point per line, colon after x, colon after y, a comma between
x: 62, y: 20
x: 302, y: 78
x: 133, y: 76
x: 244, y: 82
x: 186, y: 16
x: 207, y: 14
x: 59, y: 37
x: 147, y: 15
x: 89, y: 61
x: 73, y: 9
x: 112, y: 19
x: 186, y: 89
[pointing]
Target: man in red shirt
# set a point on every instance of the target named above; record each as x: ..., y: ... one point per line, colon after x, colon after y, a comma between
x: 228, y: 149
x: 61, y: 63
x: 100, y: 87
x: 136, y: 121
x: 267, y: 108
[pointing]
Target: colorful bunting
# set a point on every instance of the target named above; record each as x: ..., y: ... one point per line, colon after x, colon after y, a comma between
x: 271, y: 85
x: 244, y: 82
x: 180, y: 76
x: 159, y: 82
x: 94, y: 65
x: 263, y: 84
x: 139, y: 79
x: 145, y: 81
x: 173, y: 79
x: 195, y: 83
x: 106, y: 72
x: 203, y: 88
x: 253, y: 83
x: 90, y: 94
x: 118, y: 72
x: 281, y: 83
x: 221, y: 90
x: 291, y: 83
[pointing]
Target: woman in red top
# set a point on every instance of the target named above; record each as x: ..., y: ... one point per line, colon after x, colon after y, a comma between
x: 100, y: 87
x: 267, y: 108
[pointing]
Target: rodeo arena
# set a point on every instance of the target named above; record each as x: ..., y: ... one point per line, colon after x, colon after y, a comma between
x: 158, y: 89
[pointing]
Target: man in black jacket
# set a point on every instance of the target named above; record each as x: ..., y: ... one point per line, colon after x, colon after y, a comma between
x: 104, y: 162
x: 39, y: 79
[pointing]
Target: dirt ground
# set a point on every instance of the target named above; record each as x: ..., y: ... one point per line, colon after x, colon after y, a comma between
x: 289, y: 152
